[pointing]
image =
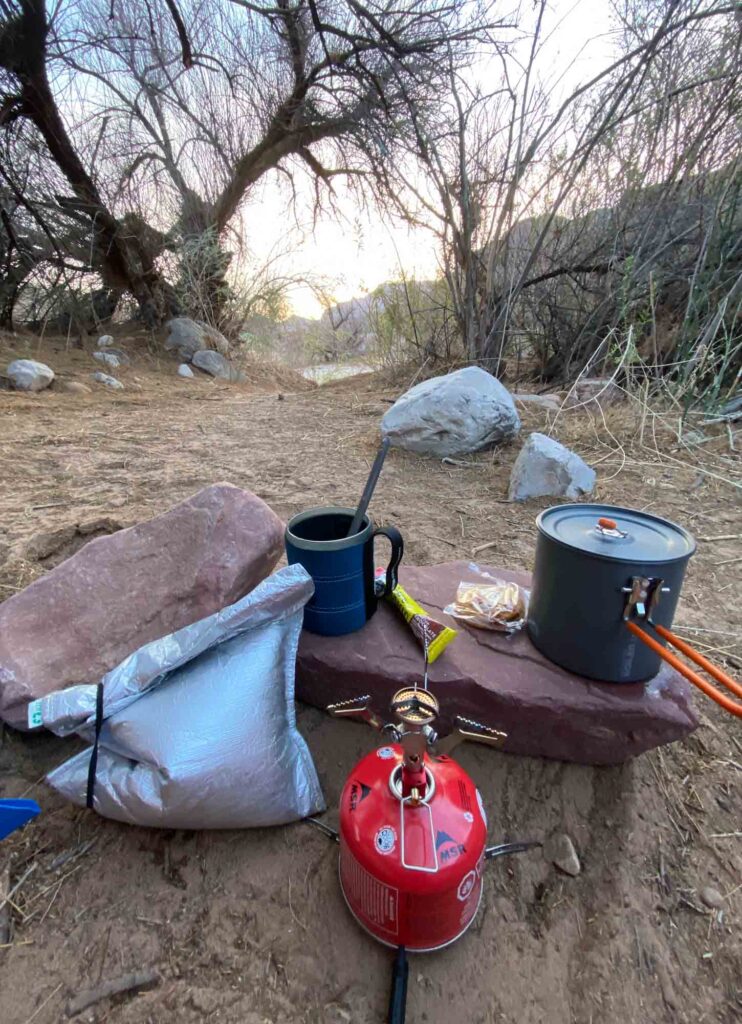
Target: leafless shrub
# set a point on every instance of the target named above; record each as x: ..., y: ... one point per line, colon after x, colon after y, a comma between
x: 560, y: 221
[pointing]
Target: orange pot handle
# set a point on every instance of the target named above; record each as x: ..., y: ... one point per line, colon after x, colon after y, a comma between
x: 686, y: 649
x: 708, y: 688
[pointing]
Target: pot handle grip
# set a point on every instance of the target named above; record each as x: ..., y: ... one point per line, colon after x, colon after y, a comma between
x: 708, y: 666
x: 708, y: 688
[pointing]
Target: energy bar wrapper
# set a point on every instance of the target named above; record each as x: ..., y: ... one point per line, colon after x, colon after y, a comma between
x: 424, y: 628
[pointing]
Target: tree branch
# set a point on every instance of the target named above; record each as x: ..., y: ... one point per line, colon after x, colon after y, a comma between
x: 185, y: 45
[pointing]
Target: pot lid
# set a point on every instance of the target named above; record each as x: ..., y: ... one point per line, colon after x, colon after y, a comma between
x: 623, y: 534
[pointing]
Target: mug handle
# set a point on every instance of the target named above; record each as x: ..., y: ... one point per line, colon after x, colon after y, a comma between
x: 393, y: 535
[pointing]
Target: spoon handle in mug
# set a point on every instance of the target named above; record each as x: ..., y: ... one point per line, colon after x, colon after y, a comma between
x: 368, y: 490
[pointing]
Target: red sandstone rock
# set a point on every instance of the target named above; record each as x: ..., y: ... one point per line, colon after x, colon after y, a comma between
x: 501, y: 681
x: 121, y: 591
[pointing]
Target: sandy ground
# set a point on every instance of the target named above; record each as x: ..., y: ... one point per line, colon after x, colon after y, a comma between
x: 250, y: 927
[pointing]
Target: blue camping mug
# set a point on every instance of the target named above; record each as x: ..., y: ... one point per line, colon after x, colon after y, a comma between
x: 341, y: 567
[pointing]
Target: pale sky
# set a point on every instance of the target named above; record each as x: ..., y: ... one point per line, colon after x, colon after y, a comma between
x: 357, y: 252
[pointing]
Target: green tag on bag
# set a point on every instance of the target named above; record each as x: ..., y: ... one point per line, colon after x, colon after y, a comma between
x: 35, y: 718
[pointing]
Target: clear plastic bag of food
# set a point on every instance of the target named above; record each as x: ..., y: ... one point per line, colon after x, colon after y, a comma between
x: 490, y: 603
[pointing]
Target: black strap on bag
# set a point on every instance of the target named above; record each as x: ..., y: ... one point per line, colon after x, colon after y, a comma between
x: 94, y: 752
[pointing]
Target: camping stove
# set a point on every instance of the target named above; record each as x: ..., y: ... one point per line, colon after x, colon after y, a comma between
x: 413, y: 832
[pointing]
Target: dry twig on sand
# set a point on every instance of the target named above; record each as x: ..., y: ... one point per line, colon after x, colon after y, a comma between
x: 48, y: 999
x: 7, y: 898
x: 135, y: 981
x: 6, y: 921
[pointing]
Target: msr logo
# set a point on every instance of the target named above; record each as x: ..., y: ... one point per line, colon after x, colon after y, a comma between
x: 447, y: 847
x: 358, y: 793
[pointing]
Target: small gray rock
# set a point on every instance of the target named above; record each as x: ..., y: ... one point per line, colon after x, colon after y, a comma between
x: 110, y: 382
x: 711, y: 897
x: 108, y: 359
x: 105, y: 341
x: 215, y: 364
x: 28, y: 375
x: 593, y: 389
x: 560, y: 850
x: 184, y: 370
x: 694, y: 437
x: 552, y: 403
x: 544, y: 467
x: 451, y: 415
x: 730, y: 407
x: 120, y: 355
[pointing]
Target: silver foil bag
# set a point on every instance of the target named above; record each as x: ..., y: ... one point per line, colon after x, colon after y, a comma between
x: 198, y: 727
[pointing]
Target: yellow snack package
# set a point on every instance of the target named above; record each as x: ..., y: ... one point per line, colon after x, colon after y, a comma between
x: 424, y: 628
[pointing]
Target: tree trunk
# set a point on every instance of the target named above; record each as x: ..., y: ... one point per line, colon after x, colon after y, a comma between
x: 8, y: 296
x: 125, y: 259
x: 10, y: 288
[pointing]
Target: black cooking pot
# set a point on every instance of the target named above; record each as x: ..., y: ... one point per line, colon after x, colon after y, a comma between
x: 597, y: 566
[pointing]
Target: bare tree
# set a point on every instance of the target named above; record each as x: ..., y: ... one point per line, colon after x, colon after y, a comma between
x: 161, y: 118
x: 552, y: 215
x: 44, y: 247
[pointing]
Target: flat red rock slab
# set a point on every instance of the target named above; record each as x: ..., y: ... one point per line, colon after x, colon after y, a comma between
x: 121, y: 591
x: 501, y: 681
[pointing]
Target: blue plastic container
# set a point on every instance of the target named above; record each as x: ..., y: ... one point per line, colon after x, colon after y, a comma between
x: 14, y: 813
x: 341, y: 567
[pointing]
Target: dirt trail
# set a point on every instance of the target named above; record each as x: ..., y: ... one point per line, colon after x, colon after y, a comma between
x: 249, y: 927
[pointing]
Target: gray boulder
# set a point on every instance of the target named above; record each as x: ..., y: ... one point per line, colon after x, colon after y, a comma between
x: 28, y: 375
x: 216, y: 365
x: 105, y: 341
x: 108, y: 359
x: 544, y: 467
x: 184, y: 370
x: 187, y: 337
x: 110, y: 382
x: 450, y: 415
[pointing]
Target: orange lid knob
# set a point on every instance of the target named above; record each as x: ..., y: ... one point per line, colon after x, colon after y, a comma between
x: 608, y: 524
